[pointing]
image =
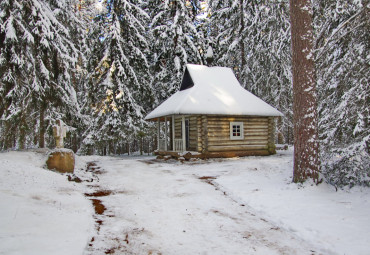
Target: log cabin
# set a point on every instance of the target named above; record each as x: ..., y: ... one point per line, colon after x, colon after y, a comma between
x: 212, y: 115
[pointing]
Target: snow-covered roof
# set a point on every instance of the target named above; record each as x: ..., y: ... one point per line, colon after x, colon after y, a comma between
x: 216, y: 91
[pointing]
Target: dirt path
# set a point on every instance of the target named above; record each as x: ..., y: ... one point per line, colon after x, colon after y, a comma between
x: 155, y: 208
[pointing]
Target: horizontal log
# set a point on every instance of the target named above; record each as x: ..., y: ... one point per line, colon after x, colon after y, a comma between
x: 237, y: 148
x: 217, y: 122
x: 237, y: 119
x: 232, y: 154
x: 256, y: 133
x: 246, y: 133
x: 246, y: 138
x: 250, y: 132
x: 224, y: 132
x: 241, y: 120
x: 227, y: 127
x: 265, y: 128
x: 237, y: 143
x: 227, y: 154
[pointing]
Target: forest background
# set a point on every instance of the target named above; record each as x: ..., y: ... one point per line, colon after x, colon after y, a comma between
x: 101, y: 66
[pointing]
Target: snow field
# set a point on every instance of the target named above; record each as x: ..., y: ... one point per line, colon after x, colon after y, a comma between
x: 220, y: 206
x: 41, y: 212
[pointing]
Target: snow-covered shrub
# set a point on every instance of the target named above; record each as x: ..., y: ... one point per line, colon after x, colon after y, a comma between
x: 348, y: 167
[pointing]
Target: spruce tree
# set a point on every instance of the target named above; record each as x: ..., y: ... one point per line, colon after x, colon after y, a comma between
x: 37, y: 61
x: 342, y: 74
x: 119, y: 86
x: 253, y: 38
x: 176, y: 42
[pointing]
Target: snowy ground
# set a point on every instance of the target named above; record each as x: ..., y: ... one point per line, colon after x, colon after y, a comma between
x: 40, y: 211
x: 140, y: 205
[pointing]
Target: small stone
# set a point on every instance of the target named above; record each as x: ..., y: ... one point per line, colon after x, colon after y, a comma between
x: 74, y: 178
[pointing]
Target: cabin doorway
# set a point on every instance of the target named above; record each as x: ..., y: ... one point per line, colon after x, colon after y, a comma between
x: 187, y: 133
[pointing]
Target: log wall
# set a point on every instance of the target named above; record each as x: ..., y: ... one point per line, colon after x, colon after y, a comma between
x: 211, y: 134
x: 193, y: 131
x: 178, y: 129
x: 256, y: 134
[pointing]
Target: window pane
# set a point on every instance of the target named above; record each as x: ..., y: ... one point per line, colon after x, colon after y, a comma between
x: 236, y: 130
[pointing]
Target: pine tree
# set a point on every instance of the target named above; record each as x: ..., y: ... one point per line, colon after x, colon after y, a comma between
x: 343, y: 70
x: 253, y: 38
x: 306, y: 146
x: 37, y: 61
x: 176, y: 42
x: 228, y: 30
x: 268, y: 57
x: 119, y: 85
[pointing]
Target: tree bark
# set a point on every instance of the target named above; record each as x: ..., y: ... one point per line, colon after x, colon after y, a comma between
x: 243, y: 61
x: 306, y: 146
x: 42, y: 126
x: 242, y: 26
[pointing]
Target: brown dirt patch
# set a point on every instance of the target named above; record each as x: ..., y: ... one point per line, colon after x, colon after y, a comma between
x: 111, y: 250
x: 99, y: 207
x: 99, y: 222
x: 90, y: 164
x: 208, y: 178
x: 99, y: 193
x: 150, y: 161
x: 93, y: 167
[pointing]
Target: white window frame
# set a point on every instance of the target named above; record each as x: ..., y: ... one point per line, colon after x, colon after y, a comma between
x: 241, y: 126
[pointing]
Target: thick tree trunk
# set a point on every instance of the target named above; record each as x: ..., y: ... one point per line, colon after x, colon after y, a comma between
x: 306, y: 147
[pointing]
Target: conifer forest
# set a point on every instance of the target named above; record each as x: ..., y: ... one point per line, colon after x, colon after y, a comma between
x: 102, y: 65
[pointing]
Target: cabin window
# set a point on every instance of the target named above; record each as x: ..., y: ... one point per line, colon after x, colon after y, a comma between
x: 236, y: 131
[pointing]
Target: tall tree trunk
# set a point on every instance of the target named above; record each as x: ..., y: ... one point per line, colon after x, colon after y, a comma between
x: 306, y: 147
x: 42, y: 126
x: 141, y: 145
x: 243, y: 61
x: 8, y: 135
x: 22, y: 131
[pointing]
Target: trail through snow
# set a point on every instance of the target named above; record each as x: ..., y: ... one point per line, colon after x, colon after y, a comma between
x: 157, y: 209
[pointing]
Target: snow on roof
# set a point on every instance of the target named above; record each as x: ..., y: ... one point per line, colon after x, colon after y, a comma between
x: 216, y: 91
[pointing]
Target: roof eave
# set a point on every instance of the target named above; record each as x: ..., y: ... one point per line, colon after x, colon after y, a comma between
x: 169, y: 115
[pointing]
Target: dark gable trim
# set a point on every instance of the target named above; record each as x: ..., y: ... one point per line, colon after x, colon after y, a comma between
x: 187, y: 81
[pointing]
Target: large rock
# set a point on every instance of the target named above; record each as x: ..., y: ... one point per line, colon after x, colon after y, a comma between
x: 61, y: 160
